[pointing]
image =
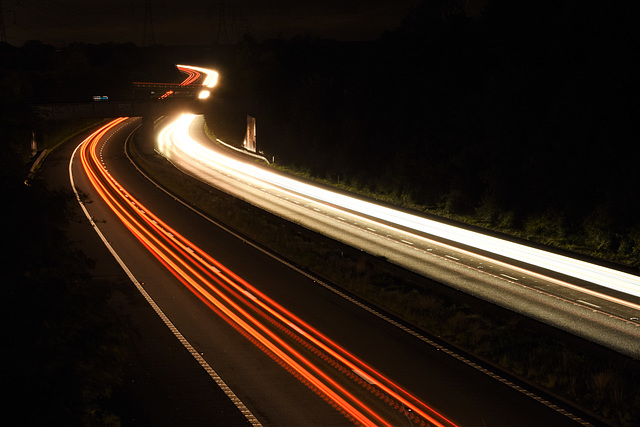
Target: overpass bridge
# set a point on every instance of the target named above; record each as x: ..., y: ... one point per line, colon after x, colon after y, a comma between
x: 108, y: 109
x: 149, y: 110
x: 149, y: 101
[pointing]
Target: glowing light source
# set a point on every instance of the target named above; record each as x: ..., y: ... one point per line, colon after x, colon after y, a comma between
x: 177, y: 133
x: 211, y: 76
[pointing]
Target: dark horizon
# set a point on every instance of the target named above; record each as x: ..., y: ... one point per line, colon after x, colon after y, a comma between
x: 198, y: 22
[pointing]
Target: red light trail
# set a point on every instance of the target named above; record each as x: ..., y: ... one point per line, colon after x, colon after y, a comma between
x: 193, y: 75
x: 362, y: 394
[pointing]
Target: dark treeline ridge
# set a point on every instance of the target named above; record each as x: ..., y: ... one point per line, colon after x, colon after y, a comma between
x: 520, y: 119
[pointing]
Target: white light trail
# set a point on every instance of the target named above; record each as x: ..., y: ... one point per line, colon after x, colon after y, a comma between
x: 177, y: 134
x: 209, y: 81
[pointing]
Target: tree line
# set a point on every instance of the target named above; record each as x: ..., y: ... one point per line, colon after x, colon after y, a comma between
x: 519, y: 118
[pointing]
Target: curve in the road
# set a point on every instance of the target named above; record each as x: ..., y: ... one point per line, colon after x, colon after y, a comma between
x: 278, y: 332
x: 212, y: 373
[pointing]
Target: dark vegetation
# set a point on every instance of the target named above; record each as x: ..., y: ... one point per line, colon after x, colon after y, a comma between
x: 520, y: 119
x: 62, y: 346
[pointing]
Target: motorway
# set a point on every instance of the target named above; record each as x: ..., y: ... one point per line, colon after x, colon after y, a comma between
x: 286, y: 349
x: 588, y: 300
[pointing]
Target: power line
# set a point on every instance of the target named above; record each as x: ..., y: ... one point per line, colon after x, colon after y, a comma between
x: 148, y: 37
x: 231, y: 22
x: 3, y: 33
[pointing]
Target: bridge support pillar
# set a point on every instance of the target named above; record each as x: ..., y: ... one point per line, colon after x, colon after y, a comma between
x: 250, y: 138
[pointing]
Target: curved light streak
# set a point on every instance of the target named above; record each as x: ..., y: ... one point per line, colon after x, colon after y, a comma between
x: 256, y: 316
x: 193, y: 75
x: 211, y: 76
x: 177, y: 134
x: 210, y: 80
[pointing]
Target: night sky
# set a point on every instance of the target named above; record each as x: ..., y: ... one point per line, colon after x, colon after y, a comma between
x: 196, y: 22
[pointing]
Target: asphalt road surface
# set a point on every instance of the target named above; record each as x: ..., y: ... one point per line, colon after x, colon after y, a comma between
x: 554, y: 289
x: 166, y: 385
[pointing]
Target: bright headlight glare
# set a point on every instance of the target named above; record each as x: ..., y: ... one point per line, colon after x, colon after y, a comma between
x: 610, y: 278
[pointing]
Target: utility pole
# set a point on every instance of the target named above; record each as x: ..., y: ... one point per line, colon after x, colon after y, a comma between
x: 3, y: 33
x: 223, y: 30
x: 147, y: 35
x: 231, y: 22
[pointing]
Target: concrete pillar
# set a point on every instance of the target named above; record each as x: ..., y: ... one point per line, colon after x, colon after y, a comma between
x: 249, y: 142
